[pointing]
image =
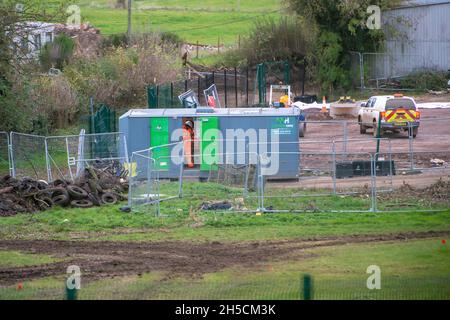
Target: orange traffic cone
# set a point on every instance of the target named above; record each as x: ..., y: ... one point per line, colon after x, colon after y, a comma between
x: 324, y: 105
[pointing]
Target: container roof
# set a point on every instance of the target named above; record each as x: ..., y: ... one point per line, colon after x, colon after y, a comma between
x: 224, y: 112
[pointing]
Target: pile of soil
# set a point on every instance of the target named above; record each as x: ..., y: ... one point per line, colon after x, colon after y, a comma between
x: 96, y: 187
x: 438, y: 192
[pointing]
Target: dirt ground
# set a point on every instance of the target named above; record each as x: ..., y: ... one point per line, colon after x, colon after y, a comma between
x: 100, y: 260
x: 432, y: 142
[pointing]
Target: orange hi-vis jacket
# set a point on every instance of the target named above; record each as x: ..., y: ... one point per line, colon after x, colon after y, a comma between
x: 188, y: 141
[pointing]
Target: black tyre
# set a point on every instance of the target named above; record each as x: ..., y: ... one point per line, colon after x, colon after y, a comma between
x: 61, y: 200
x: 77, y: 193
x: 83, y: 203
x: 44, y: 202
x: 362, y: 128
x: 415, y: 132
x: 302, y: 130
x: 375, y: 130
x: 109, y: 198
x: 94, y: 199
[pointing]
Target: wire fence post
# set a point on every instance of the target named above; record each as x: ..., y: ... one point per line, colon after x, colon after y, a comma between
x: 47, y: 162
x: 373, y: 173
x: 236, y: 86
x: 246, y: 86
x: 225, y: 86
x: 410, y: 145
x: 308, y: 292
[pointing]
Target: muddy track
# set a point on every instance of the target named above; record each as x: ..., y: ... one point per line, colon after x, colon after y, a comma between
x: 99, y: 260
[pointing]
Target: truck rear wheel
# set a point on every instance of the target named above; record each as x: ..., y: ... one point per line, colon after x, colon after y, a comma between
x: 415, y: 131
x: 362, y: 128
x: 375, y: 130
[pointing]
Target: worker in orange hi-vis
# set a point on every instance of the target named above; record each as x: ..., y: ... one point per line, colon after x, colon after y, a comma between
x: 188, y: 141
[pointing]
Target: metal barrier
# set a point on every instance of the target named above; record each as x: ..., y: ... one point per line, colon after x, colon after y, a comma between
x: 28, y: 156
x: 323, y: 176
x: 5, y: 160
x: 65, y: 157
x: 158, y: 174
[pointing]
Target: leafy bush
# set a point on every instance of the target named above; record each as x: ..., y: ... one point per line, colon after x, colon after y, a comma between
x: 426, y: 80
x: 120, y: 77
x: 271, y: 39
x: 57, y: 53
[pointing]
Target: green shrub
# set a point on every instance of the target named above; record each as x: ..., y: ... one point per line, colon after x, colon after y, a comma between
x: 271, y: 39
x: 57, y: 53
x: 426, y: 80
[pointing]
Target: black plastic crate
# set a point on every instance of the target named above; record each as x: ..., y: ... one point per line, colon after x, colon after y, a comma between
x: 362, y: 168
x: 344, y: 170
x: 382, y: 168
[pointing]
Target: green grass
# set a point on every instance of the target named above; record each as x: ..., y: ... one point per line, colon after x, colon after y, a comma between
x: 20, y: 259
x: 202, y: 21
x: 415, y: 269
x: 180, y: 222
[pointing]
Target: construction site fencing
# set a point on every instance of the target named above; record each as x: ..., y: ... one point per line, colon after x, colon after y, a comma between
x: 322, y: 176
x: 68, y: 156
x: 65, y: 157
x: 373, y: 70
x: 267, y: 286
x: 5, y: 161
x: 28, y: 156
x: 158, y: 174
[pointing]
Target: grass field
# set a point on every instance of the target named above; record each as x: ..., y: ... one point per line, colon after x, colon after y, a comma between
x: 202, y: 21
x: 276, y: 249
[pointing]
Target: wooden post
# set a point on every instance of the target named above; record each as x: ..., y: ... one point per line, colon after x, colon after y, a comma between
x: 129, y: 22
x: 197, y: 49
x: 236, y: 86
x: 246, y: 86
x: 225, y: 85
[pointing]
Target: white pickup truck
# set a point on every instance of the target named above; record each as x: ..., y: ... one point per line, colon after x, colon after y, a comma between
x: 397, y: 112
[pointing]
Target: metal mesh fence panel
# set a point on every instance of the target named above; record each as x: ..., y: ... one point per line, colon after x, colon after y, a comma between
x: 270, y: 286
x: 160, y: 174
x: 69, y: 155
x: 150, y: 183
x: 4, y: 153
x: 325, y: 183
x: 28, y: 156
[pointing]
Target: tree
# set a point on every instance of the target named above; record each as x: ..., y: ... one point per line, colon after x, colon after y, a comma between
x: 58, y: 53
x: 15, y: 68
x: 342, y: 26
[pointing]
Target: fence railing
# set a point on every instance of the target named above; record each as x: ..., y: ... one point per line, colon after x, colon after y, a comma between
x: 373, y: 70
x: 64, y: 157
x: 343, y: 179
x: 5, y: 160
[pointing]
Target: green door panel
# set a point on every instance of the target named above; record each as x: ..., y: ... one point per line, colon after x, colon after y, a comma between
x: 209, y: 146
x: 159, y: 136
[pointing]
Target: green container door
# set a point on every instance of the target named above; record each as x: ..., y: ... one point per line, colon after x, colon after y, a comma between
x: 159, y: 136
x: 209, y: 147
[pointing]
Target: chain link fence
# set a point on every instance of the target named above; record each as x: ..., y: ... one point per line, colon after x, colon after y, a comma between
x: 28, y: 156
x: 271, y: 287
x: 372, y: 70
x: 65, y: 157
x: 5, y: 167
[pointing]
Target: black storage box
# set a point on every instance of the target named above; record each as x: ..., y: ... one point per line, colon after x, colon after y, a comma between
x: 382, y: 168
x: 362, y: 168
x: 344, y: 170
x: 306, y: 99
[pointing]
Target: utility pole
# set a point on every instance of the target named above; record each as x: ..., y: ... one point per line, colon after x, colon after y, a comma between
x: 129, y: 21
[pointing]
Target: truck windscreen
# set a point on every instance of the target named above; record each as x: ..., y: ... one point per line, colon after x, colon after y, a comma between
x: 400, y: 103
